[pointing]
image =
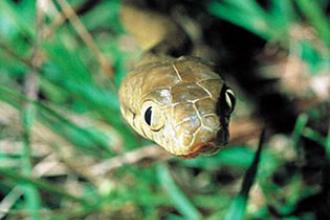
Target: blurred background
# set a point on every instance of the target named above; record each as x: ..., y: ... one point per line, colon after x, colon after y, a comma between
x: 66, y: 153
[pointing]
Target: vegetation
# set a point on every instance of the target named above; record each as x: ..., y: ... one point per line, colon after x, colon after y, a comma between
x: 65, y: 152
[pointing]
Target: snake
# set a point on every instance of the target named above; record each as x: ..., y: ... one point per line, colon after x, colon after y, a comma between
x: 180, y: 103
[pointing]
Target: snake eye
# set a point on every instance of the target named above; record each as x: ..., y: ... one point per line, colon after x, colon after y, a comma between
x: 230, y: 100
x: 152, y: 116
x: 148, y: 115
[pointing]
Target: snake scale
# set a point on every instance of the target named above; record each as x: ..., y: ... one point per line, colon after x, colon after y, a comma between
x: 179, y: 103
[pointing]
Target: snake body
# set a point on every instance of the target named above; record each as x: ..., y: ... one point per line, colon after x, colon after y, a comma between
x: 179, y: 103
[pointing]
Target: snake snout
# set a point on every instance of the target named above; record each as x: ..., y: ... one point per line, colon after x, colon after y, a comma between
x: 197, y: 133
x: 208, y: 143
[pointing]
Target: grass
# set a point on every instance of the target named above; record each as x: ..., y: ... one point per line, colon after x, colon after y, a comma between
x: 51, y: 142
x: 184, y: 206
x: 238, y: 206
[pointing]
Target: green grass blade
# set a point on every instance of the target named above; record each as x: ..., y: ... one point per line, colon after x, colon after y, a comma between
x: 184, y: 206
x: 315, y: 136
x: 238, y: 206
x: 282, y: 17
x: 57, y: 190
x: 252, y: 21
x: 298, y: 129
x: 14, y: 20
x: 30, y: 191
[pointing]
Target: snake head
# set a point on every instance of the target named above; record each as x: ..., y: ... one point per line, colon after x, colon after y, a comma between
x: 180, y: 104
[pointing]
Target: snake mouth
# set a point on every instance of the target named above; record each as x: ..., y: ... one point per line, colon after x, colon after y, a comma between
x: 210, y: 147
x: 207, y: 148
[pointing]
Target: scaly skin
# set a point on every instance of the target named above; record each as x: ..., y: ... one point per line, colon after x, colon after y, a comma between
x: 179, y: 103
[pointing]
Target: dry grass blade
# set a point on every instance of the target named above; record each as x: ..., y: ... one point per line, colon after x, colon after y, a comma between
x: 153, y: 152
x: 71, y: 15
x: 39, y: 170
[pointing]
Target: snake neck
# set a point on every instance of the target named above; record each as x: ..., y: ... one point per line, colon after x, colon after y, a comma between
x: 157, y: 35
x: 149, y: 58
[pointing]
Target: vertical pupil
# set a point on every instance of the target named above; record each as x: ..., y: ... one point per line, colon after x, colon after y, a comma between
x: 147, y: 115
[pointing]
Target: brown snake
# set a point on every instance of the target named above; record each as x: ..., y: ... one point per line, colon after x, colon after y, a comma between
x: 179, y: 103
